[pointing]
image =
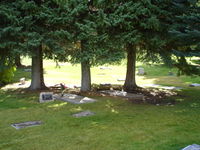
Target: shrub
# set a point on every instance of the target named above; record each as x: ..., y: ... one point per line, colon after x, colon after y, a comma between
x: 6, y: 75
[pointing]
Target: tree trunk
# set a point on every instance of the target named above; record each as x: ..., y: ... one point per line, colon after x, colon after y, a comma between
x: 130, y: 82
x: 18, y: 61
x: 85, y: 77
x: 37, y: 78
x: 85, y: 71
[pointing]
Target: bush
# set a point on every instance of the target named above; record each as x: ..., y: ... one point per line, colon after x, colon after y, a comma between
x: 6, y: 75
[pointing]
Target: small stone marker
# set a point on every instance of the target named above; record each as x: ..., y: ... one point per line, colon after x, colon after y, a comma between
x: 46, y: 97
x: 192, y: 147
x: 101, y: 74
x: 26, y: 124
x: 170, y: 73
x: 162, y: 87
x: 120, y: 79
x: 141, y: 71
x: 194, y: 85
x: 104, y: 68
x: 83, y: 114
x: 27, y: 70
x: 123, y: 94
x: 22, y: 81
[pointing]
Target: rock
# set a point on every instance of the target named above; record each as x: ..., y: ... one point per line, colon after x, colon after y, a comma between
x: 26, y: 124
x: 83, y: 114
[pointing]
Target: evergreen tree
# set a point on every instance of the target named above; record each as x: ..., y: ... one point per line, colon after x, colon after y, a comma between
x: 9, y: 33
x: 91, y: 44
x: 186, y: 33
x: 143, y: 28
x: 31, y: 34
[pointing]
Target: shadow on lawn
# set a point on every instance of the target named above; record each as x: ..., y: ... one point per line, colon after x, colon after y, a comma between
x: 19, y: 98
x: 21, y: 73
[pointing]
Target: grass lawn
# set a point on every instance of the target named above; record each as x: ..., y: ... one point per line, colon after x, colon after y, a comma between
x: 117, y: 125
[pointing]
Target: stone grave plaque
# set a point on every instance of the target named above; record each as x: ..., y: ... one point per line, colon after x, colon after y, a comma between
x: 141, y: 71
x: 83, y: 114
x: 105, y: 68
x: 74, y: 99
x: 194, y: 85
x: 123, y: 94
x: 162, y: 87
x: 120, y: 79
x: 26, y: 124
x: 27, y: 70
x: 46, y: 97
x: 192, y: 147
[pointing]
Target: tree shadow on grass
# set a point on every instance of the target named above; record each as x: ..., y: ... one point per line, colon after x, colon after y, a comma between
x: 22, y: 73
x: 20, y: 98
x: 187, y: 95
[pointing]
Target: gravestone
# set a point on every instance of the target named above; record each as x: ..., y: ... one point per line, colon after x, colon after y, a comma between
x: 123, y: 94
x: 120, y: 79
x: 27, y: 70
x: 101, y: 74
x: 170, y: 73
x: 22, y: 81
x: 83, y: 114
x: 192, y: 147
x: 74, y: 99
x: 141, y: 71
x: 162, y: 87
x: 105, y: 68
x: 194, y: 85
x: 26, y: 124
x: 105, y: 86
x: 46, y: 97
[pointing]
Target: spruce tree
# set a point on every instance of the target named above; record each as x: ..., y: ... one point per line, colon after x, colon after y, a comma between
x: 90, y: 42
x: 186, y: 33
x: 9, y: 38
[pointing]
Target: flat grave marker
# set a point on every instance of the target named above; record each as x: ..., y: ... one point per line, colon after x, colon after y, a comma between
x: 26, y: 124
x: 74, y: 99
x: 105, y: 68
x: 46, y: 97
x: 123, y: 94
x: 192, y: 147
x: 162, y: 87
x: 120, y: 79
x: 194, y: 85
x: 83, y: 114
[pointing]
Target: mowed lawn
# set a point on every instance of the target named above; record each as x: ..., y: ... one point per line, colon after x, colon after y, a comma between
x: 117, y: 124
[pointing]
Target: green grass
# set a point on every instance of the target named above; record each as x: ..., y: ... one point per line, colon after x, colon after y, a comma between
x: 117, y: 125
x: 71, y: 74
